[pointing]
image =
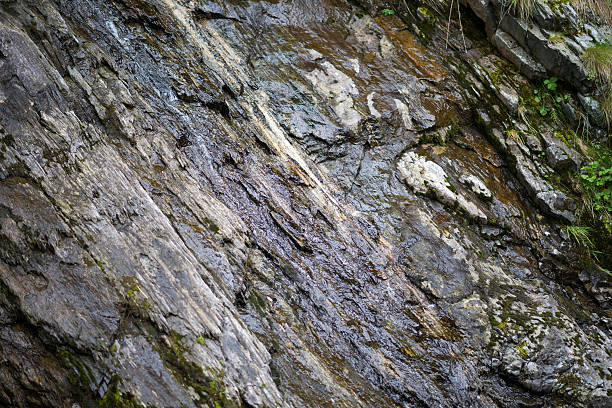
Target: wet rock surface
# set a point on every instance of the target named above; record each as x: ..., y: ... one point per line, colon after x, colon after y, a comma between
x: 207, y: 204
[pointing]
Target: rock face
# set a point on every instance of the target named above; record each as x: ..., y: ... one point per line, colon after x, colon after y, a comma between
x: 212, y: 204
x: 550, y: 43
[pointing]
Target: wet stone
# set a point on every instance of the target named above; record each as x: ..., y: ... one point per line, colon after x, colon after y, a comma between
x: 275, y: 204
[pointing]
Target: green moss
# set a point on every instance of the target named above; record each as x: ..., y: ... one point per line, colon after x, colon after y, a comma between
x: 258, y: 303
x: 603, y: 374
x: 16, y: 180
x: 79, y: 374
x: 427, y: 15
x: 407, y: 351
x: 82, y: 379
x: 433, y: 138
x: 522, y: 351
x: 137, y: 303
x: 556, y: 38
x: 113, y: 398
x: 7, y: 140
x: 496, y: 77
x: 569, y: 381
x: 200, y: 340
x: 212, y: 226
x: 498, y: 324
x: 450, y: 185
x: 211, y: 390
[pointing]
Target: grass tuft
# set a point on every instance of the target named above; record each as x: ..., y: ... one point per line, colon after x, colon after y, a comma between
x: 523, y: 8
x: 598, y: 61
x: 602, y: 8
x: 605, y: 104
x: 580, y: 234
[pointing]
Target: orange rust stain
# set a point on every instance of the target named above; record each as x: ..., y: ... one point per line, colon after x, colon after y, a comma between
x: 416, y: 53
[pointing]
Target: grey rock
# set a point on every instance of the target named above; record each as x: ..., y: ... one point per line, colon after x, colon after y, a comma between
x: 477, y: 186
x: 426, y: 177
x: 527, y: 45
x: 509, y: 97
x: 553, y: 201
x: 558, y: 203
x: 516, y: 54
x: 570, y: 15
x: 558, y: 155
x: 584, y: 40
x: 593, y: 110
x: 544, y: 16
x: 484, y: 10
x: 189, y: 216
x: 570, y: 112
x: 557, y: 158
x: 339, y: 89
x: 533, y: 142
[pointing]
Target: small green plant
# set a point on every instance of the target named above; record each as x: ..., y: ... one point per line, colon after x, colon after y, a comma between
x: 387, y: 12
x: 515, y: 135
x: 200, y: 340
x: 537, y: 98
x: 596, y: 208
x: 580, y: 234
x: 555, y: 38
x: 551, y: 83
x: 540, y: 100
x: 564, y: 98
x: 543, y: 110
x: 545, y: 101
x: 597, y: 180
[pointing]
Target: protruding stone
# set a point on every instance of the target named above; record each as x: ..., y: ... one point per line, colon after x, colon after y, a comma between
x: 477, y: 186
x: 509, y: 97
x: 516, y: 54
x: 428, y: 178
x: 339, y: 89
x: 593, y: 110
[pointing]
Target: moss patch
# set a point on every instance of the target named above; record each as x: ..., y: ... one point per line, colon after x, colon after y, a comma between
x: 113, y: 398
x: 210, y: 390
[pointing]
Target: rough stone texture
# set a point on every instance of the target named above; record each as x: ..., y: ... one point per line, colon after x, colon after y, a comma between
x: 426, y: 177
x: 559, y: 155
x: 558, y: 59
x: 516, y: 54
x: 339, y: 90
x: 529, y: 45
x: 188, y: 217
x: 477, y: 186
x: 591, y: 107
